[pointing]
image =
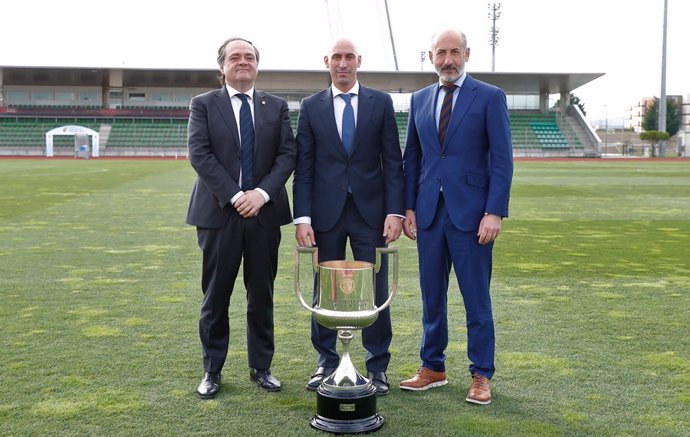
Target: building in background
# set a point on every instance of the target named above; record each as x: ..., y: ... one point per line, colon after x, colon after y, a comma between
x: 635, y: 114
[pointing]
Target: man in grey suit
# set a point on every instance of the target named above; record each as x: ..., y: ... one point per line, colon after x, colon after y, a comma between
x: 348, y: 184
x: 242, y: 148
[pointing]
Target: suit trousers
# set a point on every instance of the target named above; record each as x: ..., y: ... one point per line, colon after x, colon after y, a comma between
x: 363, y: 241
x: 440, y: 246
x: 223, y: 252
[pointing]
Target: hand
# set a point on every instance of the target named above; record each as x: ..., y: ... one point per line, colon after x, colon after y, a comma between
x: 410, y: 224
x: 249, y: 204
x: 392, y: 228
x: 489, y: 228
x: 304, y: 234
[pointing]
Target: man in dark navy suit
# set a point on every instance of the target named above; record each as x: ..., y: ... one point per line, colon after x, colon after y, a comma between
x: 348, y: 185
x: 242, y: 148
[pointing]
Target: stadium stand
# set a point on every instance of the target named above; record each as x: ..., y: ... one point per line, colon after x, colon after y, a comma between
x: 294, y: 115
x: 119, y: 136
x: 536, y: 133
x: 533, y: 134
x: 401, y: 120
x: 147, y: 132
x: 145, y: 112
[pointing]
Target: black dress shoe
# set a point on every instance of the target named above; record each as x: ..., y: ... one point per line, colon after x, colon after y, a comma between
x: 265, y: 380
x: 380, y: 381
x: 209, y: 386
x: 319, y: 375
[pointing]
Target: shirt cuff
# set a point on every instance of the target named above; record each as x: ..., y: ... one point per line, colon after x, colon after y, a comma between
x: 234, y: 198
x: 263, y: 193
x: 239, y: 194
x: 302, y: 220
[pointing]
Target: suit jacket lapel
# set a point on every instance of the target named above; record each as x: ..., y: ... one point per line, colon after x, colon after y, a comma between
x: 326, y: 110
x: 365, y: 107
x: 431, y: 107
x: 259, y: 100
x: 227, y: 114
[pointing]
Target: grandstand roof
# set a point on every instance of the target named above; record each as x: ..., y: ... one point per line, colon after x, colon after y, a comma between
x: 293, y: 81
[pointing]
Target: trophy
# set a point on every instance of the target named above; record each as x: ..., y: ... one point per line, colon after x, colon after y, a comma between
x: 346, y: 400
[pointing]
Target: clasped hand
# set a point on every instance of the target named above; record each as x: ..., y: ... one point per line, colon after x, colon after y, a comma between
x: 249, y: 204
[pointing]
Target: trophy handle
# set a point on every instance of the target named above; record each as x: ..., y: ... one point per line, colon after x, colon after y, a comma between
x: 393, y: 271
x: 314, y: 263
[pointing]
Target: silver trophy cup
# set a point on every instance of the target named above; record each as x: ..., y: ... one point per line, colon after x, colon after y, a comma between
x: 346, y: 400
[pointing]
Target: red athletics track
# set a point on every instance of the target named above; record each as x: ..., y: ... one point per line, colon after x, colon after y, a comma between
x: 555, y: 159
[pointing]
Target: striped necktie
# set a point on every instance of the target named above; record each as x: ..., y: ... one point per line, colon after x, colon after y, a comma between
x: 446, y: 110
x: 247, y: 140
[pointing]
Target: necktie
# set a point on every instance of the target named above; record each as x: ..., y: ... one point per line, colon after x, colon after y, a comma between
x: 247, y: 140
x: 446, y: 109
x: 348, y: 123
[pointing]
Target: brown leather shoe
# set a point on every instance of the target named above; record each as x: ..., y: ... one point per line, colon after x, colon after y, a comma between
x: 480, y: 390
x: 424, y: 380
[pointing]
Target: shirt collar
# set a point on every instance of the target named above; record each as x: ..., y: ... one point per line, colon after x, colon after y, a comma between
x: 354, y: 90
x: 232, y: 91
x: 458, y: 82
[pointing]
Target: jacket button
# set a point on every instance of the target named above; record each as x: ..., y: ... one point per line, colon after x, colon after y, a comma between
x: 443, y: 156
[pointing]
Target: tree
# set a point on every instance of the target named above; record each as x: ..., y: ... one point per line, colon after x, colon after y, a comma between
x: 654, y: 137
x: 651, y: 118
x: 575, y: 101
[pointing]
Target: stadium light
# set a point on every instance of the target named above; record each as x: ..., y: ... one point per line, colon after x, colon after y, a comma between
x: 494, y: 15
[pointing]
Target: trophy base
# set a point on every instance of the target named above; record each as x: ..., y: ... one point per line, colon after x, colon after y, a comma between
x: 334, y: 426
x: 345, y: 411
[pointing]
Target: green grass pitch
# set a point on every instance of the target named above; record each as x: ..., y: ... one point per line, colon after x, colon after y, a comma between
x: 99, y: 302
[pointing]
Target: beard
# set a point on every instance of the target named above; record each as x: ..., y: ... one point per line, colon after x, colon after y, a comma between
x: 449, y: 73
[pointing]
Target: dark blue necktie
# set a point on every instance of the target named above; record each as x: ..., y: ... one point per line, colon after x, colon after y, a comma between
x: 247, y: 139
x: 348, y: 123
x: 446, y: 109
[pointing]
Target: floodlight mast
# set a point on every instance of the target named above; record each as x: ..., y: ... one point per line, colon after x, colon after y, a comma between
x: 494, y: 15
x: 390, y: 31
x: 662, y: 99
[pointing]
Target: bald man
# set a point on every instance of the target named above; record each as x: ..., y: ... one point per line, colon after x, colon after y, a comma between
x: 348, y: 185
x: 458, y: 170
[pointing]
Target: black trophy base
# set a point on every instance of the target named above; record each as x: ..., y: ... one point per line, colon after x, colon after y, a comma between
x: 340, y: 412
x: 361, y: 426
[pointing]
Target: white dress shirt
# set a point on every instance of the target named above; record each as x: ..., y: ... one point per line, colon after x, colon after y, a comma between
x: 236, y: 103
x: 339, y: 105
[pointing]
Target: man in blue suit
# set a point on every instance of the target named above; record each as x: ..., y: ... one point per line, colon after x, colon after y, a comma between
x: 458, y: 170
x: 348, y: 184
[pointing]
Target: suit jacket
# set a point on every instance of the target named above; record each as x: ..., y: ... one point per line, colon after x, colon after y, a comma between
x: 475, y: 164
x: 214, y: 152
x: 373, y: 170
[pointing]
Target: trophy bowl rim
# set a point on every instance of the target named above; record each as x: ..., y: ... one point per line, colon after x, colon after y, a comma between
x: 346, y: 265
